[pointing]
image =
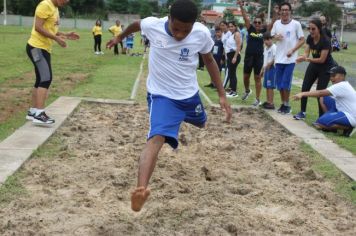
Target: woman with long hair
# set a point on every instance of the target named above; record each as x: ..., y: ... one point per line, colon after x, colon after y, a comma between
x: 319, y: 46
x: 97, y: 32
x: 225, y: 35
x: 232, y: 50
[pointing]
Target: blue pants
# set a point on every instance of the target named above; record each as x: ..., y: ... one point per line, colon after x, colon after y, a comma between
x: 332, y: 116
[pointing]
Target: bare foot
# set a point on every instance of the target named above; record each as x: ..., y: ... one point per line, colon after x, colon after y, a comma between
x: 138, y: 198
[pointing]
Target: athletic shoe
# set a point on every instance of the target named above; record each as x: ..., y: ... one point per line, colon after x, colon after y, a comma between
x: 30, y: 115
x: 256, y: 103
x: 281, y: 108
x: 268, y: 106
x: 97, y: 53
x: 211, y: 85
x: 232, y: 94
x: 102, y: 53
x: 348, y: 132
x: 246, y: 95
x: 287, y: 110
x: 43, y: 119
x: 300, y: 116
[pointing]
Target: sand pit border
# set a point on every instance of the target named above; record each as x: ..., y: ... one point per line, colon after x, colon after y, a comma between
x: 19, y: 146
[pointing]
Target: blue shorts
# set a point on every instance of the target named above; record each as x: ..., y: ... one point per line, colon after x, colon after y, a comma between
x: 284, y: 76
x: 269, y: 79
x: 129, y: 45
x: 166, y: 116
x: 332, y: 116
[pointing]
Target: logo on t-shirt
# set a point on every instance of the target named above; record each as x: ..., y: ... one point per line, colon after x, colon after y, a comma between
x: 288, y: 34
x: 184, y: 53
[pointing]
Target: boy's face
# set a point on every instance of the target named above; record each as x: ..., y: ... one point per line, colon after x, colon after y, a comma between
x: 268, y: 42
x: 218, y: 33
x: 336, y: 78
x: 179, y: 29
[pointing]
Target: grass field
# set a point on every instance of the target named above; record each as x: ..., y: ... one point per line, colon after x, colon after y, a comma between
x: 112, y: 77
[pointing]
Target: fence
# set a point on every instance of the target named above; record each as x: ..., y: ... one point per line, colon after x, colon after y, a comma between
x: 70, y: 23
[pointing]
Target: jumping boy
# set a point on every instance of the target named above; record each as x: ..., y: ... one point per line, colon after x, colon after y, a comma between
x: 39, y: 47
x: 173, y: 91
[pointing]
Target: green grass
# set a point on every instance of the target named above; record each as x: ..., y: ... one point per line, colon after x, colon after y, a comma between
x: 107, y: 76
x: 11, y: 189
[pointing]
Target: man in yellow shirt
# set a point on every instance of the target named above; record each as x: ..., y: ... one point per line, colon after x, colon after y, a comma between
x: 116, y: 31
x: 39, y: 46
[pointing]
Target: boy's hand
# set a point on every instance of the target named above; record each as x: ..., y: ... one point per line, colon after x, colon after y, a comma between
x: 278, y: 37
x: 301, y: 59
x: 226, y: 106
x: 60, y: 40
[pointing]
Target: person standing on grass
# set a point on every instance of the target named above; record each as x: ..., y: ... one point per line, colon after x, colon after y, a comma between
x: 218, y: 53
x: 39, y: 48
x: 116, y: 30
x: 290, y: 37
x: 225, y: 35
x: 129, y: 43
x: 268, y: 70
x: 337, y: 101
x: 97, y: 33
x: 173, y: 91
x: 319, y: 46
x: 233, y: 57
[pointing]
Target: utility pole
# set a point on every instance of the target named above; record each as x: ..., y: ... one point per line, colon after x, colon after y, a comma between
x: 342, y: 25
x: 5, y: 13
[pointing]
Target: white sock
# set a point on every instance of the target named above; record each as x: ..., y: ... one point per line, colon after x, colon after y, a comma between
x: 39, y: 111
x: 33, y: 110
x: 286, y: 104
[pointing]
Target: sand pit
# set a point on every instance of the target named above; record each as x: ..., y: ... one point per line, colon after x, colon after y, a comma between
x: 248, y: 177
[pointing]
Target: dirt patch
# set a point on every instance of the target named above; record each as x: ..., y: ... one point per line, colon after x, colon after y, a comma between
x: 245, y: 178
x: 15, y: 94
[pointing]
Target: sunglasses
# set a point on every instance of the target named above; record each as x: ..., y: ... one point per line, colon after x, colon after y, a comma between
x: 257, y: 22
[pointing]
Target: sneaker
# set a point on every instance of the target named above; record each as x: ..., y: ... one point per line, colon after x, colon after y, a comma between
x: 211, y: 85
x: 30, y: 115
x: 232, y: 94
x: 287, y: 110
x: 102, y: 53
x: 43, y: 119
x: 281, y: 108
x: 267, y: 105
x: 300, y: 116
x: 256, y: 103
x: 348, y: 132
x: 246, y: 95
x: 97, y: 53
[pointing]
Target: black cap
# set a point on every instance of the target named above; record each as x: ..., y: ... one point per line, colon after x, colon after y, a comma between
x: 337, y: 70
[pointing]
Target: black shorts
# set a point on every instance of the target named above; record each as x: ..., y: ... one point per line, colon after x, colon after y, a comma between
x: 253, y: 61
x: 41, y: 59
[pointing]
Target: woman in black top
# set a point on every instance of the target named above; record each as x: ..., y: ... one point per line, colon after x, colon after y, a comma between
x: 318, y: 45
x: 253, y: 54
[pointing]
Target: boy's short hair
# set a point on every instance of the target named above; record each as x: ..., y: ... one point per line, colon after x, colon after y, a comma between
x: 217, y: 28
x: 184, y: 10
x: 267, y: 35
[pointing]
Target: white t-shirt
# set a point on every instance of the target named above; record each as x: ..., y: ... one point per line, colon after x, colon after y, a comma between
x: 230, y: 44
x: 224, y: 38
x: 345, y: 99
x: 291, y: 33
x: 269, y: 54
x: 172, y: 64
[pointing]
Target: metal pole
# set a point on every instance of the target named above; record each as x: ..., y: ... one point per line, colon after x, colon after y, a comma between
x: 269, y: 12
x: 342, y: 26
x: 5, y: 13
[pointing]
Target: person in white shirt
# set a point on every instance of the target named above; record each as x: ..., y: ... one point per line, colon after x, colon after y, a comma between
x: 173, y: 91
x: 290, y: 37
x: 337, y: 101
x: 268, y: 70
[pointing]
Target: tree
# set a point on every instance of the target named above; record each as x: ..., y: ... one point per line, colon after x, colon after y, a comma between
x: 228, y: 16
x: 329, y: 9
x: 120, y: 6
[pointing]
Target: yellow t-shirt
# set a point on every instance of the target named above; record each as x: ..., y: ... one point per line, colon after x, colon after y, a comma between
x: 97, y: 30
x: 49, y: 12
x: 116, y: 30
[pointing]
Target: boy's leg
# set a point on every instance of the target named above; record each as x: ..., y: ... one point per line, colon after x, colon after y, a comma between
x: 147, y: 164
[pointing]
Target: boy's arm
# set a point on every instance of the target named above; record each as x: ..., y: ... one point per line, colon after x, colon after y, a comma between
x: 133, y: 27
x: 315, y: 93
x: 215, y: 77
